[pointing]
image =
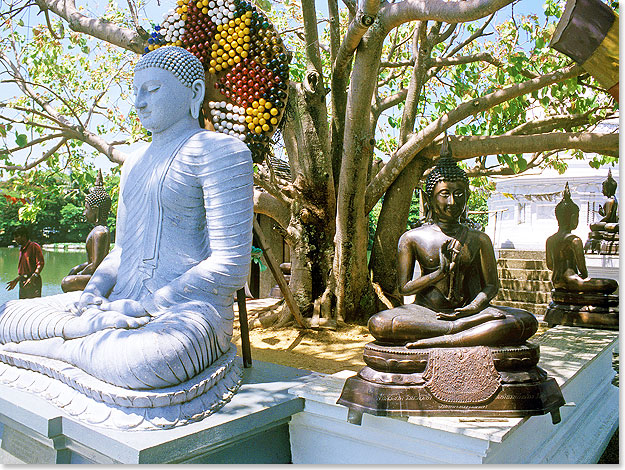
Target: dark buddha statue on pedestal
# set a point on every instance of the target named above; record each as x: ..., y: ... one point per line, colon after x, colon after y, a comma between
x: 603, y: 238
x: 577, y: 300
x: 450, y: 352
x: 97, y: 208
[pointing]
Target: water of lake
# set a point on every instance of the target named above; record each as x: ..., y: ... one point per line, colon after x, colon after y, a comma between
x: 57, y: 265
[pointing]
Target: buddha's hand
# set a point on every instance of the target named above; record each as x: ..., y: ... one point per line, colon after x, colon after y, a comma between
x: 120, y: 314
x: 460, y: 312
x: 447, y: 254
x: 128, y: 307
x: 468, y: 310
x: 87, y: 300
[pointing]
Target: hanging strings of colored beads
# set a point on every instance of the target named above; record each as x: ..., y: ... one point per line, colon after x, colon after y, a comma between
x: 245, y: 58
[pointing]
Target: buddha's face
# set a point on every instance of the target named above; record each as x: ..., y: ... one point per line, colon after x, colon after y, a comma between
x: 91, y: 213
x: 449, y: 199
x: 161, y: 99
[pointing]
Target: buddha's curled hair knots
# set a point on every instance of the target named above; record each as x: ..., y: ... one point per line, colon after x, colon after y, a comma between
x: 185, y: 66
x: 446, y: 169
x: 98, y: 198
x: 566, y: 207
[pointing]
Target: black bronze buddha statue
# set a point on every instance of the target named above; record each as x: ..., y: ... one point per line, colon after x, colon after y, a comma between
x: 451, y: 351
x: 577, y: 299
x: 603, y: 238
x: 97, y: 208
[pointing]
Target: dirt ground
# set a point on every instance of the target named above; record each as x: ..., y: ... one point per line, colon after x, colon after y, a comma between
x: 321, y: 350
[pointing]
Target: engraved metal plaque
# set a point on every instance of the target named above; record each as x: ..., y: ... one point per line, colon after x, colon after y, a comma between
x: 462, y: 375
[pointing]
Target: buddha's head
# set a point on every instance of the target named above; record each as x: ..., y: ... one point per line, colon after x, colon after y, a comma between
x: 609, y: 185
x: 567, y: 212
x: 169, y: 87
x: 97, y: 202
x: 446, y: 187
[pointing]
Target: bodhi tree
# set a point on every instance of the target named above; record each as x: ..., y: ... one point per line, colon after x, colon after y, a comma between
x: 389, y: 78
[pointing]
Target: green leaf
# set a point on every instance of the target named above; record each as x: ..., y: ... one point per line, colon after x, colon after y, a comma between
x: 21, y: 139
x: 264, y: 5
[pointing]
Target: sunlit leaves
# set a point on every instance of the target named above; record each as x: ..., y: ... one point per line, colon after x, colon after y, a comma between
x: 84, y: 81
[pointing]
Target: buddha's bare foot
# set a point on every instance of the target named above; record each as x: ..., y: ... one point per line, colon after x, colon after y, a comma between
x: 470, y: 320
x: 419, y: 344
x: 42, y: 347
x: 94, y: 319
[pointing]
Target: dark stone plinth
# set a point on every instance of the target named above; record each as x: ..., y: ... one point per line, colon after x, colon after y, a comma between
x: 587, y: 316
x: 583, y: 309
x: 608, y: 247
x: 586, y: 299
x: 602, y: 242
x: 467, y: 381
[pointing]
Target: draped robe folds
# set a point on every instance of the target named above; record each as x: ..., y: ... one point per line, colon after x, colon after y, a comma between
x: 184, y: 235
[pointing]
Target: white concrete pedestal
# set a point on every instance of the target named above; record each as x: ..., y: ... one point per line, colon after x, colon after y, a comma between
x: 605, y: 266
x: 251, y: 428
x: 579, y: 359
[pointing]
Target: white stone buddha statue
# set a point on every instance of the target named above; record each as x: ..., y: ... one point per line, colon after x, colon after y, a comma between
x: 159, y: 309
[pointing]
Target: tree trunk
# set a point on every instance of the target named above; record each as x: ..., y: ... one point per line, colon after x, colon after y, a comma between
x: 391, y: 225
x: 354, y: 293
x: 310, y: 233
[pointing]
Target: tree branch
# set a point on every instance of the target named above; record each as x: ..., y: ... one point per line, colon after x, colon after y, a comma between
x: 42, y: 159
x: 466, y: 59
x: 425, y: 136
x: 100, y: 29
x: 98, y: 143
x: 31, y: 143
x: 465, y: 147
x: 551, y: 123
x: 264, y: 180
x: 351, y: 6
x: 357, y: 28
x: 388, y: 102
x: 33, y: 111
x: 422, y: 48
x: 394, y: 14
x: 470, y: 39
x: 266, y: 204
x: 312, y: 36
x: 27, y: 122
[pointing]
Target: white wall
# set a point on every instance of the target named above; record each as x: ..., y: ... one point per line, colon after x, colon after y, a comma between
x: 528, y: 222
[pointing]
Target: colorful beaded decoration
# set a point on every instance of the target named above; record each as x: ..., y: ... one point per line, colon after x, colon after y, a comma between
x: 244, y: 59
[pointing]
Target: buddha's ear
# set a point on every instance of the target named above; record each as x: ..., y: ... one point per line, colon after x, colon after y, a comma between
x: 198, y: 89
x: 427, y: 206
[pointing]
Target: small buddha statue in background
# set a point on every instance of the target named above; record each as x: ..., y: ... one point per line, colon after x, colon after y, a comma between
x: 450, y: 351
x: 97, y: 208
x: 604, y: 237
x: 577, y: 299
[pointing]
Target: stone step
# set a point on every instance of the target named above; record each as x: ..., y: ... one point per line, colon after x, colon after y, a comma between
x: 516, y: 263
x: 524, y: 274
x: 524, y: 296
x: 520, y: 254
x: 537, y: 310
x: 525, y: 285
